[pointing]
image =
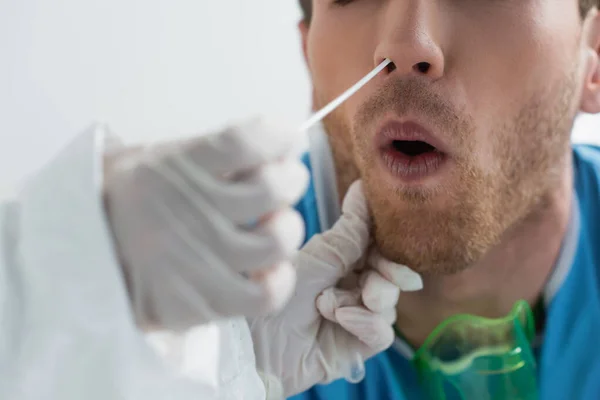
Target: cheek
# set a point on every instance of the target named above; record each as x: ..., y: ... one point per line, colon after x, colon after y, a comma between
x: 339, y: 57
x: 340, y: 52
x: 502, y: 63
x: 509, y: 49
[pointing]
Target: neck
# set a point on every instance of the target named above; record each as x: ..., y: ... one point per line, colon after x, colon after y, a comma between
x: 516, y: 269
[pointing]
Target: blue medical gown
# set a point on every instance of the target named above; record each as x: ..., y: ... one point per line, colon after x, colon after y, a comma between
x: 569, y: 356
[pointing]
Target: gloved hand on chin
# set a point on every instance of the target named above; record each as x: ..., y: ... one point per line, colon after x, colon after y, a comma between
x: 327, y: 326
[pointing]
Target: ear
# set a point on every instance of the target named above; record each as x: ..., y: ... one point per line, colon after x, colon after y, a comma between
x: 590, y: 98
x: 303, y: 27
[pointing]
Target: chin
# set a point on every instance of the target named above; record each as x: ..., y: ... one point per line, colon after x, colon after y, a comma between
x: 441, y: 234
x: 432, y: 256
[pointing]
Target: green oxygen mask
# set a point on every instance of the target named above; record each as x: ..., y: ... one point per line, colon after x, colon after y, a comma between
x: 473, y: 358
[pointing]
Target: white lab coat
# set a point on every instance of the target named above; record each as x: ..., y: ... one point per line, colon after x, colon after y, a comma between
x: 66, y: 331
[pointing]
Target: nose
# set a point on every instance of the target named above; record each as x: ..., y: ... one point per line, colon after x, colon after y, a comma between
x: 409, y: 31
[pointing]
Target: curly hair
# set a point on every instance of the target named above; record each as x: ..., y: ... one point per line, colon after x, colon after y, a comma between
x: 584, y: 7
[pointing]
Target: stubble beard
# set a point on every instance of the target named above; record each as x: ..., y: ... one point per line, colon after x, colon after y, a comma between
x: 480, y: 205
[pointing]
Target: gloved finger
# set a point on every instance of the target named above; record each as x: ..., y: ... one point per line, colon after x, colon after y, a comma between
x: 370, y: 328
x: 279, y: 283
x: 400, y: 275
x: 266, y: 190
x: 344, y: 244
x: 242, y: 147
x: 188, y: 291
x: 243, y: 251
x: 389, y: 315
x: 333, y: 298
x: 265, y: 293
x: 355, y: 202
x: 378, y: 293
x: 209, y: 268
x: 275, y: 240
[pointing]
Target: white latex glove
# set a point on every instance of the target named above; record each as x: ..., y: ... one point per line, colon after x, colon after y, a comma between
x: 317, y: 336
x: 180, y: 213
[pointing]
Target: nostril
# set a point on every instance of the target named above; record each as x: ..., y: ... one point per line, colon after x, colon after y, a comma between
x: 423, y: 67
x: 391, y: 67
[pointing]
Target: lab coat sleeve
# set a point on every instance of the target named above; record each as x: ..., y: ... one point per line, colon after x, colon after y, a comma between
x: 65, y: 326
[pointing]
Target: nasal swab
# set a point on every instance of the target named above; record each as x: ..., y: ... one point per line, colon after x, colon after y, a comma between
x: 356, y: 372
x: 325, y: 111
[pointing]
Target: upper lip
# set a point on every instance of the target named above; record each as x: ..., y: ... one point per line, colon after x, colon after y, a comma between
x: 393, y: 129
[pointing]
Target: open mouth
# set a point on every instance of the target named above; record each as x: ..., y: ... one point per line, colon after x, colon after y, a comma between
x: 412, y: 160
x: 410, y: 152
x: 413, y: 148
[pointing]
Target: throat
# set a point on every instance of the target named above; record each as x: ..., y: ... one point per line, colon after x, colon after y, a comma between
x: 416, y: 324
x: 508, y: 273
x: 518, y: 268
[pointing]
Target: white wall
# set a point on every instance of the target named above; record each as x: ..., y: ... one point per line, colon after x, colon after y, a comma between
x: 150, y: 68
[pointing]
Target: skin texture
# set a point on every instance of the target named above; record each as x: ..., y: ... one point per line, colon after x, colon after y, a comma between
x: 498, y: 83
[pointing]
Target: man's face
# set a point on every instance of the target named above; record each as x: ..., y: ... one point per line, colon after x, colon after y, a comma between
x: 467, y: 134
